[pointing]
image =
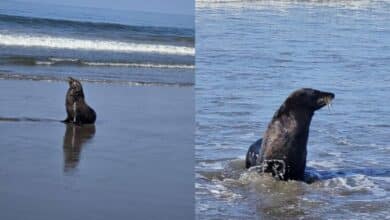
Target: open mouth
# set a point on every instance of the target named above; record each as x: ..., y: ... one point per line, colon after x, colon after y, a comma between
x: 327, y: 101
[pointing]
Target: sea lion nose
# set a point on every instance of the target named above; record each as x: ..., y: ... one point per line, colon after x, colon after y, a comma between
x: 328, y: 95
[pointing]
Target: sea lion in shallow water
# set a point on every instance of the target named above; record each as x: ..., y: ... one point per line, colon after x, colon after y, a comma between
x: 282, y: 150
x: 78, y: 112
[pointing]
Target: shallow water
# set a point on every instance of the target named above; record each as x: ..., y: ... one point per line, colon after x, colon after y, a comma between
x: 138, y: 156
x: 250, y: 57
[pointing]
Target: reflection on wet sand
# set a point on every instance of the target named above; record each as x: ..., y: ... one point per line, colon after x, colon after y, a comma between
x: 74, y: 139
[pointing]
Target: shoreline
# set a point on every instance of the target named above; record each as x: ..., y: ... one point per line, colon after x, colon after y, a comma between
x: 15, y: 76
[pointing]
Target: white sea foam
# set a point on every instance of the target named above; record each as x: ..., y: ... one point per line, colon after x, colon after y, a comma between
x: 25, y: 40
x: 143, y: 65
x: 218, y: 190
x: 213, y: 166
x: 324, y: 163
x: 109, y: 64
x: 355, y: 183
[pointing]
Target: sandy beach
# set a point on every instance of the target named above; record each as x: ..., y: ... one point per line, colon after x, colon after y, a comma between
x: 136, y: 161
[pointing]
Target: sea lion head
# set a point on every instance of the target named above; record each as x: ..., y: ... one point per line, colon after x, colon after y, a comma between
x: 75, y: 88
x: 309, y: 99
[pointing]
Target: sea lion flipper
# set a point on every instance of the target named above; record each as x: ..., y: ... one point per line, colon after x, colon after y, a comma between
x: 276, y: 167
x: 66, y: 120
x: 253, y: 153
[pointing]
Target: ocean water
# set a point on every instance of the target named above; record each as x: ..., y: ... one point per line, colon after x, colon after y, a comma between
x: 51, y: 42
x: 250, y: 56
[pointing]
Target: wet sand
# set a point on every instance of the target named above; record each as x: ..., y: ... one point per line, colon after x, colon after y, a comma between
x: 135, y: 163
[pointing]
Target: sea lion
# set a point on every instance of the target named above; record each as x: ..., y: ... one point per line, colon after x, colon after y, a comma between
x: 282, y: 150
x: 78, y: 112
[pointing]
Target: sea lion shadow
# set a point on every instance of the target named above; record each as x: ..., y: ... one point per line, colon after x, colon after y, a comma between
x: 74, y: 139
x: 314, y: 175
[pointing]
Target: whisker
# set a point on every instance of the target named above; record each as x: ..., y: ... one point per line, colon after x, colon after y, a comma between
x: 330, y: 104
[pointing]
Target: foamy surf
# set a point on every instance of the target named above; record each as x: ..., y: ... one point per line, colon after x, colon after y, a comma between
x: 107, y: 64
x: 142, y: 65
x: 53, y: 61
x: 63, y: 78
x: 46, y: 41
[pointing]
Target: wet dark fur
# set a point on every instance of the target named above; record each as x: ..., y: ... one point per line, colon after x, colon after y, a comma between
x: 283, y: 146
x: 83, y: 114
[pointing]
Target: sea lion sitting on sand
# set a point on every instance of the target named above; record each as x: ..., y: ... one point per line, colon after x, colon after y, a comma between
x: 77, y: 109
x: 282, y: 150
